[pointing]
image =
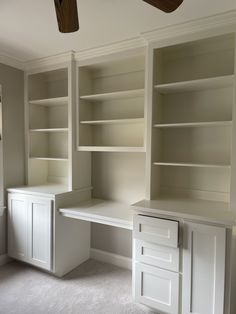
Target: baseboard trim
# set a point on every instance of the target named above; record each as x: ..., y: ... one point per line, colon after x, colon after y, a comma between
x: 4, y: 259
x: 110, y: 258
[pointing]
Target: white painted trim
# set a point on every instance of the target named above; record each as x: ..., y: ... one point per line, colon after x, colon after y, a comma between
x: 131, y: 44
x: 226, y: 20
x: 4, y: 259
x: 208, y: 26
x: 110, y: 258
x: 12, y: 62
x: 44, y: 63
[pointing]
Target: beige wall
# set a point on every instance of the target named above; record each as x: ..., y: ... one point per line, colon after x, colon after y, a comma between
x: 111, y: 239
x: 12, y: 82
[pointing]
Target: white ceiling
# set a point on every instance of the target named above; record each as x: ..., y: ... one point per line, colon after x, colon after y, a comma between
x: 28, y: 28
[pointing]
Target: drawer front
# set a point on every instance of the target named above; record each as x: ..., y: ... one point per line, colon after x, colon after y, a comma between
x: 155, y: 230
x: 157, y: 288
x: 156, y: 255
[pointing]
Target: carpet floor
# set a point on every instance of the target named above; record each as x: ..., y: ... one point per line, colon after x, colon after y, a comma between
x: 92, y: 288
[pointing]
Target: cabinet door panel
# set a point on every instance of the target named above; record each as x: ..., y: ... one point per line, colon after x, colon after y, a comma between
x: 204, y: 269
x: 157, y: 288
x: 17, y: 226
x: 40, y: 229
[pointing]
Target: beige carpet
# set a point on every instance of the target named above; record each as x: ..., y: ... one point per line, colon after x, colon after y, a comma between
x: 92, y: 288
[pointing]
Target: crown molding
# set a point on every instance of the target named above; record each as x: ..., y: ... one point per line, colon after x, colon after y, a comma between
x: 131, y: 44
x: 226, y: 22
x: 50, y: 61
x: 12, y: 62
x: 207, y: 26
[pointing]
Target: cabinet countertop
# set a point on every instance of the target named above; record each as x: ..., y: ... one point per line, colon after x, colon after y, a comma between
x: 200, y: 210
x: 47, y: 190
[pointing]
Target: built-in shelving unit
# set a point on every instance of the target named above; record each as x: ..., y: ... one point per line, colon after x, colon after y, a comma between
x: 192, y: 121
x: 111, y: 106
x: 48, y: 127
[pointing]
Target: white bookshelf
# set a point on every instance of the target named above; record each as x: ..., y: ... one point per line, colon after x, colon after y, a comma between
x: 111, y: 106
x: 48, y: 128
x: 192, y: 122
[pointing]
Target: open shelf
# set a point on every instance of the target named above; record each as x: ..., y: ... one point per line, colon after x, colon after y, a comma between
x: 196, y: 85
x: 58, y: 101
x: 123, y: 149
x: 102, y: 212
x: 193, y: 124
x: 114, y: 121
x: 50, y: 130
x: 49, y: 158
x: 187, y: 164
x: 114, y: 95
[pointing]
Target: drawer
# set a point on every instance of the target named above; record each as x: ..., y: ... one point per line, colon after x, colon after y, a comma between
x: 156, y: 230
x: 156, y: 288
x: 157, y: 255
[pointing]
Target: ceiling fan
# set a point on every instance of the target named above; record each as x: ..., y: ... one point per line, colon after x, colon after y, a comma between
x: 67, y: 12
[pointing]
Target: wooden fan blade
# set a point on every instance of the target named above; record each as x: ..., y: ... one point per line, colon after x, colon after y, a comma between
x: 67, y: 15
x: 165, y: 5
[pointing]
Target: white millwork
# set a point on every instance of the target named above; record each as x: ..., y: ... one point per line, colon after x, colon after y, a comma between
x: 153, y: 127
x: 204, y: 251
x: 17, y: 227
x: 30, y: 229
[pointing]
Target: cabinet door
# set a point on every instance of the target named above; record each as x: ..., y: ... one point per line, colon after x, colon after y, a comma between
x: 17, y: 226
x: 40, y: 232
x: 156, y: 288
x: 204, y: 269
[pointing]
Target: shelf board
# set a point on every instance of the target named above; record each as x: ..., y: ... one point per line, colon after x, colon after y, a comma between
x: 189, y: 208
x: 196, y: 85
x: 114, y: 121
x: 124, y: 149
x: 103, y: 212
x: 50, y: 158
x: 114, y: 95
x: 194, y: 165
x: 59, y: 101
x: 50, y: 130
x: 193, y: 124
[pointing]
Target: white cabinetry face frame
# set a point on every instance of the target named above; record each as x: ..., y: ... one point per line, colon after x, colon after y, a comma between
x: 218, y: 236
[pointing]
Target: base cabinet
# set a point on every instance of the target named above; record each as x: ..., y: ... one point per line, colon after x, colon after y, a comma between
x: 17, y: 227
x: 30, y: 229
x: 189, y: 279
x: 204, y: 257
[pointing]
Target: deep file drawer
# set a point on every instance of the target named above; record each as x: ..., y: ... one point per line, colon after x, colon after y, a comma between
x: 155, y: 230
x: 156, y: 288
x: 156, y: 255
